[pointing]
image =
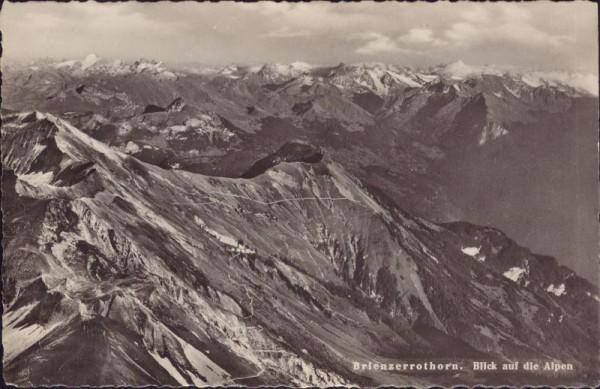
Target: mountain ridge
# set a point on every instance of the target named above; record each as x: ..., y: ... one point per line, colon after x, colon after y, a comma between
x: 273, y: 71
x: 430, y: 147
x: 120, y: 262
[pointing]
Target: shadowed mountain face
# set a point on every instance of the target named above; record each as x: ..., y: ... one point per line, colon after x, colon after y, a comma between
x: 513, y: 151
x: 289, y: 152
x: 120, y: 272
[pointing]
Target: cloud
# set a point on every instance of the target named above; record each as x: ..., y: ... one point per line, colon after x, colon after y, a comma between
x: 424, y: 34
x: 285, y: 20
x: 286, y: 32
x: 583, y: 81
x: 312, y: 17
x: 421, y: 35
x: 511, y: 24
x: 476, y: 14
x: 377, y: 44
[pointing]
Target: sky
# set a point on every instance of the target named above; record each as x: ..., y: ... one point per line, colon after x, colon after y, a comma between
x: 539, y: 35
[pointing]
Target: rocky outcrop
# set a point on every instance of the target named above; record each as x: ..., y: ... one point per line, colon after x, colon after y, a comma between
x: 176, y: 105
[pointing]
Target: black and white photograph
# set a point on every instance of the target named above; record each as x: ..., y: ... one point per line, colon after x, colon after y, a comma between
x: 313, y: 194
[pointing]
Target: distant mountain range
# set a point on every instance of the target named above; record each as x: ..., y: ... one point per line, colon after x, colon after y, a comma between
x: 375, y: 76
x: 272, y: 224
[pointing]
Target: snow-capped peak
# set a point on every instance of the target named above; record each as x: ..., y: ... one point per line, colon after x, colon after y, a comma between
x: 90, y: 60
x: 92, y: 64
x: 377, y: 77
x: 279, y: 72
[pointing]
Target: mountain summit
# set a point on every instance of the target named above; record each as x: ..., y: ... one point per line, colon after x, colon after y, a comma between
x: 289, y: 152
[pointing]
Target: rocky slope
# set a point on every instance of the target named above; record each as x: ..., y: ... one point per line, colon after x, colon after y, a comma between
x: 449, y: 143
x: 165, y: 276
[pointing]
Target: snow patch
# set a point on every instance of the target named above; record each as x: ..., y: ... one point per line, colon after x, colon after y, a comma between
x: 177, y: 129
x: 377, y: 84
x: 132, y: 148
x: 37, y: 179
x: 65, y: 64
x: 354, y: 127
x: 15, y: 340
x: 514, y: 273
x: 556, y: 290
x: 228, y: 240
x: 492, y: 131
x: 472, y: 251
x: 168, y: 366
x: 283, y: 178
x: 514, y: 91
x: 89, y: 61
x: 404, y: 79
x: 58, y: 249
x: 593, y: 296
x: 203, y: 365
x: 428, y: 77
